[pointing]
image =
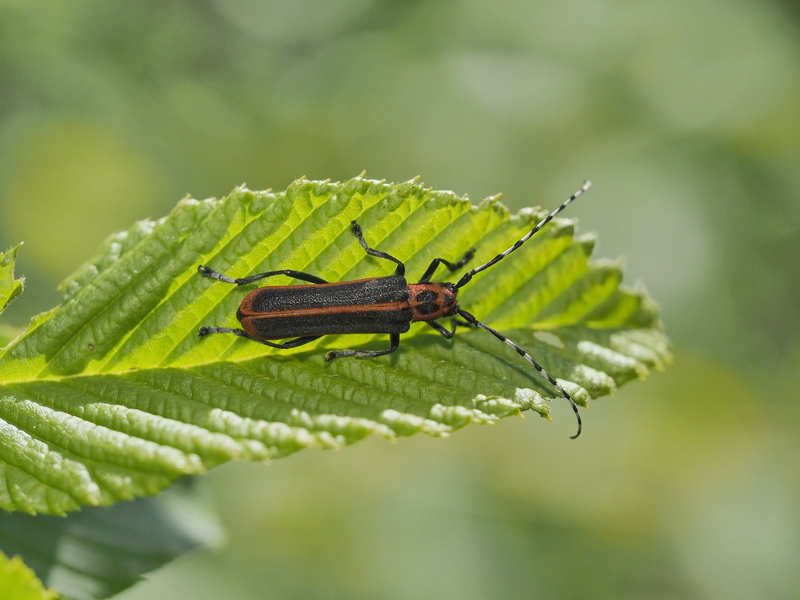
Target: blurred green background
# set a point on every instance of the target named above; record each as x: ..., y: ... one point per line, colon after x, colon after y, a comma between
x: 685, y: 115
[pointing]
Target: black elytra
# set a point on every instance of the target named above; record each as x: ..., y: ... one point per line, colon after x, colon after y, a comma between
x: 375, y: 305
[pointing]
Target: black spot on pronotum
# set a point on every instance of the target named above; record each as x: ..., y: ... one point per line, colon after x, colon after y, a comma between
x: 428, y: 308
x: 426, y: 296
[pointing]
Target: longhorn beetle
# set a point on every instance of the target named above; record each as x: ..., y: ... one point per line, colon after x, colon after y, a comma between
x: 375, y: 305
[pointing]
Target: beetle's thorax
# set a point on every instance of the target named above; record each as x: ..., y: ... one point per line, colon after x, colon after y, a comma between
x: 431, y: 301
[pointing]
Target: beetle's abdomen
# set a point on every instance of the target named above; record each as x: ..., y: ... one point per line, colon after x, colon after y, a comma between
x: 377, y: 305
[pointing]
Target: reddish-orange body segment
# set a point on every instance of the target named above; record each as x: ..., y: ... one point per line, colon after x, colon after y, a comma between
x: 431, y: 301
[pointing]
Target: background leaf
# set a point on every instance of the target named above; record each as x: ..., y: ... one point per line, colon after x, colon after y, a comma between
x: 112, y: 395
x: 17, y: 581
x: 99, y: 551
x: 10, y: 287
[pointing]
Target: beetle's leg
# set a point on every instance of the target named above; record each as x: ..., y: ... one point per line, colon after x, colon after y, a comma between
x: 426, y: 276
x: 356, y: 228
x: 445, y: 332
x: 204, y: 331
x: 394, y: 344
x: 454, y: 322
x: 208, y: 272
x: 449, y: 333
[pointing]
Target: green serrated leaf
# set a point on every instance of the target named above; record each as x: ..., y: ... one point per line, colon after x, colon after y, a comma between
x: 10, y: 287
x: 112, y: 395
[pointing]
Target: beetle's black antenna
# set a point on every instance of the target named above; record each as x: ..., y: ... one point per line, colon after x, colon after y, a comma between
x: 471, y: 319
x: 467, y: 276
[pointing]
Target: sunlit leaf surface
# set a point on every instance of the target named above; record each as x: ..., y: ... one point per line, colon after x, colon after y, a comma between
x: 112, y: 394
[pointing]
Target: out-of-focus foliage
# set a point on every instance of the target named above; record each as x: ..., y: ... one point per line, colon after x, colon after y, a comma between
x: 99, y: 551
x: 10, y: 286
x: 17, y: 581
x: 684, y: 114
